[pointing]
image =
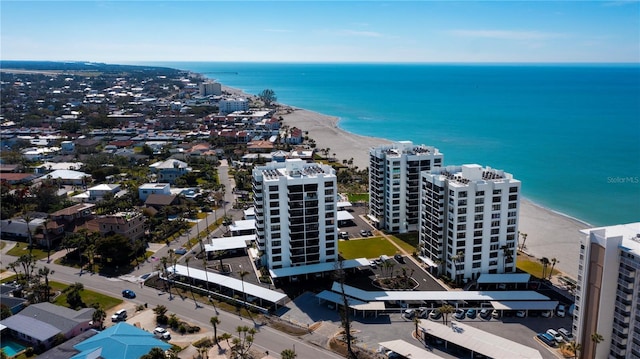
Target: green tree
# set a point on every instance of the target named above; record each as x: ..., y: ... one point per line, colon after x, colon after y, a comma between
x: 74, y: 298
x: 5, y: 312
x: 545, y: 263
x: 268, y: 96
x: 554, y: 261
x: 154, y: 353
x: 241, y: 345
x: 596, y: 338
x: 288, y: 354
x: 161, y: 314
x: 573, y: 347
x: 98, y: 317
x: 114, y: 248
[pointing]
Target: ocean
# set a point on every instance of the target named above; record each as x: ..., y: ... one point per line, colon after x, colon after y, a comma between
x: 569, y: 132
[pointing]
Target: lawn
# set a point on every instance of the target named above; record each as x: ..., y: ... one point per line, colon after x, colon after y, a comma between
x: 369, y: 248
x: 23, y: 248
x: 88, y: 297
x: 408, y: 241
x: 358, y: 197
x: 532, y: 266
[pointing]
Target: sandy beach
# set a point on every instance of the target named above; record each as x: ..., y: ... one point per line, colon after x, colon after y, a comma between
x: 549, y: 234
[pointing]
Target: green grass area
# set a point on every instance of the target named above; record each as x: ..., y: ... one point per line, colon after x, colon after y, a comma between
x: 88, y: 297
x: 23, y: 248
x: 358, y: 197
x: 369, y: 248
x: 2, y: 244
x: 408, y: 242
x: 532, y: 266
x: 9, y: 279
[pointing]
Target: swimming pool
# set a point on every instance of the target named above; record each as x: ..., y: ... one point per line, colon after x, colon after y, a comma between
x: 11, y: 348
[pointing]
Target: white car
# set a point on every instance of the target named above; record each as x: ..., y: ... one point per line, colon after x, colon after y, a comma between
x: 561, y: 311
x: 119, y: 315
x: 558, y: 338
x: 162, y: 333
x: 521, y: 314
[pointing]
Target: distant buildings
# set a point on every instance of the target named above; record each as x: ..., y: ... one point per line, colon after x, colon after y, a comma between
x: 232, y: 104
x: 128, y: 224
x: 169, y: 170
x: 295, y: 213
x: 210, y: 88
x: 608, y: 295
x: 147, y: 189
x: 469, y: 220
x: 394, y: 183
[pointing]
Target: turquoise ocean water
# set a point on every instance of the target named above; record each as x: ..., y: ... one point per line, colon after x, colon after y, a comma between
x: 570, y: 133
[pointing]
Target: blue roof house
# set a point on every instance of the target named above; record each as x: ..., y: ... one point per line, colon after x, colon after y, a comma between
x: 121, y: 341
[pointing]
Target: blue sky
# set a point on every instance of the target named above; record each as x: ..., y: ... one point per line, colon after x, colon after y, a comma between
x: 321, y: 31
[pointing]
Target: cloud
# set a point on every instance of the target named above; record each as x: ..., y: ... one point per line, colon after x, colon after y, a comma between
x: 506, y: 34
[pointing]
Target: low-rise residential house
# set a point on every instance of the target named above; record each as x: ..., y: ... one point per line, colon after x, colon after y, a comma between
x: 54, y: 166
x: 69, y: 177
x: 122, y: 340
x: 169, y: 170
x: 87, y: 145
x: 147, y: 189
x: 17, y: 178
x: 260, y: 146
x: 16, y: 229
x: 128, y: 224
x: 39, y: 324
x: 157, y: 201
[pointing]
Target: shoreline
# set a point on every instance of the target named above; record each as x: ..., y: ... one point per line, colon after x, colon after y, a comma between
x: 550, y: 233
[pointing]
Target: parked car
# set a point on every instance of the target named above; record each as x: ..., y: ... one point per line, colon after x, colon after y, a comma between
x: 486, y: 313
x: 566, y: 334
x: 373, y: 264
x: 459, y: 314
x: 496, y: 314
x: 364, y: 233
x: 435, y: 315
x: 398, y: 258
x: 521, y: 313
x: 423, y: 312
x: 409, y: 313
x: 344, y: 235
x: 162, y: 333
x: 561, y: 311
x: 546, y: 313
x: 471, y: 313
x: 181, y: 251
x: 119, y: 315
x: 127, y: 293
x: 556, y: 336
x: 547, y: 339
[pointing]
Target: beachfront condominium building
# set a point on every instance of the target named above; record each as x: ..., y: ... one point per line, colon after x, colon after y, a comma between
x: 210, y: 88
x: 295, y: 213
x: 607, y: 295
x: 394, y: 183
x: 469, y: 221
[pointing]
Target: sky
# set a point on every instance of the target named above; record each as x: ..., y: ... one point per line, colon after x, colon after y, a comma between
x: 321, y: 31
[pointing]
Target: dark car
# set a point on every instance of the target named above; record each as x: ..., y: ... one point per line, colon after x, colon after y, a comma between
x: 399, y: 258
x: 181, y: 251
x: 127, y: 293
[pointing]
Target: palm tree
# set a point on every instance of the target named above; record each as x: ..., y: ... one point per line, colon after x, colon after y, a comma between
x: 545, y: 263
x: 288, y: 354
x: 214, y: 323
x: 226, y: 337
x: 45, y: 272
x: 573, y: 347
x: 524, y: 239
x: 186, y: 261
x: 446, y: 310
x: 416, y: 321
x: 596, y: 338
x: 98, y: 317
x: 553, y: 264
x: 243, y: 273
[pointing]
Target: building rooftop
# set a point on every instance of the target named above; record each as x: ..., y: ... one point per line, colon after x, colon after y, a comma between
x: 629, y: 232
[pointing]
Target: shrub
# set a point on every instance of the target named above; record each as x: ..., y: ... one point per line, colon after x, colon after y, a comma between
x: 182, y: 329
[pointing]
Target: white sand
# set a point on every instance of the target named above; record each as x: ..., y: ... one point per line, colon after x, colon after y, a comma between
x: 549, y: 234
